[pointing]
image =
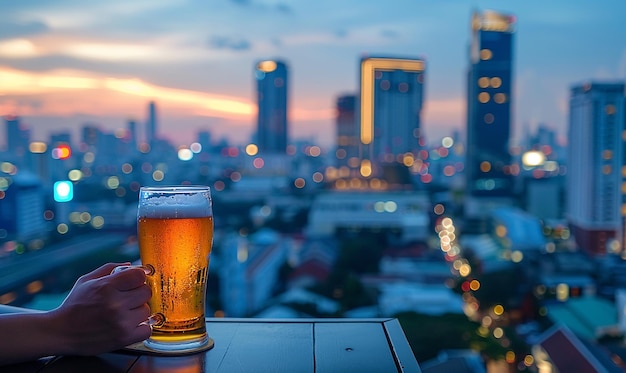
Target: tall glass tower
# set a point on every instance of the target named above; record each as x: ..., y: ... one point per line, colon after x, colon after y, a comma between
x: 392, y: 92
x: 347, y: 130
x: 151, y: 125
x: 271, y: 77
x: 489, y: 88
x: 17, y: 137
x: 596, y: 194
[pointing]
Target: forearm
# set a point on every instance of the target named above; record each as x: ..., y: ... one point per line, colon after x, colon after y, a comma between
x: 29, y: 336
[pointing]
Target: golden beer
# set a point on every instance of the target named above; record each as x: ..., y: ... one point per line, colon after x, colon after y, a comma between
x: 175, y: 232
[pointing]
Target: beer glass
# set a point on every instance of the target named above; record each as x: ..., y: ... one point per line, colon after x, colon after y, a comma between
x: 175, y: 233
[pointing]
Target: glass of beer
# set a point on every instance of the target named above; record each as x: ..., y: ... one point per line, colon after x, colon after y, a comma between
x: 175, y: 233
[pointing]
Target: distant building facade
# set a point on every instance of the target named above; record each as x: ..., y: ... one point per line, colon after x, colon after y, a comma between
x: 489, y: 89
x: 272, y: 125
x: 401, y: 216
x: 17, y: 137
x: 347, y: 131
x: 391, y: 98
x: 249, y: 270
x: 596, y: 200
x: 25, y: 195
x: 151, y: 125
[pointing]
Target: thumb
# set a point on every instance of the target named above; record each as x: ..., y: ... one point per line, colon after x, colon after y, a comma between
x: 102, y: 271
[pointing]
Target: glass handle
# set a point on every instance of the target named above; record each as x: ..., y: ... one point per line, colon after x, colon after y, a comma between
x: 148, y: 269
x: 156, y: 320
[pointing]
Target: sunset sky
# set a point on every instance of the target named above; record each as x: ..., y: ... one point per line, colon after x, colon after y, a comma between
x: 67, y: 62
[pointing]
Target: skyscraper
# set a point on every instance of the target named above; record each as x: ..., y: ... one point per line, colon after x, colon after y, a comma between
x: 151, y: 125
x: 17, y: 137
x: 272, y: 125
x: 347, y: 130
x: 596, y: 198
x: 392, y: 92
x: 489, y: 88
x: 132, y: 134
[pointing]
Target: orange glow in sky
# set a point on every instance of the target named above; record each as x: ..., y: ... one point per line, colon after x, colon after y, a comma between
x: 67, y: 83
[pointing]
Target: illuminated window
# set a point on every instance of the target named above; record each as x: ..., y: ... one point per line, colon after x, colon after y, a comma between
x: 485, y: 166
x: 483, y: 97
x: 496, y: 82
x: 500, y: 98
x: 266, y: 66
x: 607, y: 154
x: 624, y: 171
x: 623, y: 188
x: 606, y: 169
x: 485, y: 54
x: 623, y: 210
x: 483, y: 82
x: 37, y: 147
x: 489, y: 118
x: 610, y: 109
x: 562, y: 292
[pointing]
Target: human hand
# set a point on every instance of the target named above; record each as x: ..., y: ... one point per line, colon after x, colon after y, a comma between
x: 104, y: 311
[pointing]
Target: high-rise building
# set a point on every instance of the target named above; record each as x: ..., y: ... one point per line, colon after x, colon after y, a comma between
x: 489, y: 89
x: 392, y: 92
x: 17, y: 137
x: 91, y: 135
x: 151, y: 124
x: 272, y: 125
x: 25, y: 195
x: 596, y: 199
x: 347, y: 131
x: 132, y: 134
x: 204, y: 139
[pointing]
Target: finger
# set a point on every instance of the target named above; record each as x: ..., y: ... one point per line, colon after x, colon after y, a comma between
x: 139, y: 333
x: 137, y: 316
x: 128, y: 279
x: 103, y: 270
x: 137, y: 297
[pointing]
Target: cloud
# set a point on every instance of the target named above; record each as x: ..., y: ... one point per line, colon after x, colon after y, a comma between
x: 10, y: 29
x: 280, y: 7
x: 106, y: 50
x: 284, y: 8
x: 242, y: 2
x: 229, y: 42
x: 89, y: 90
x: 341, y: 33
x: 389, y: 34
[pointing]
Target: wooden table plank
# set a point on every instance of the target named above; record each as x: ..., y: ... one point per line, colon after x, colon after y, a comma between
x: 105, y: 363
x: 243, y: 347
x: 261, y: 345
x: 222, y: 334
x: 400, y: 347
x: 352, y: 347
x: 270, y: 347
x: 28, y: 366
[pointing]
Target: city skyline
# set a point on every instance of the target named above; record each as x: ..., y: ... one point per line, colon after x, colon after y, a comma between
x: 60, y: 62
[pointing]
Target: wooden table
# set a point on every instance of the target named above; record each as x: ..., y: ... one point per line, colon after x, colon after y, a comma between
x: 262, y: 345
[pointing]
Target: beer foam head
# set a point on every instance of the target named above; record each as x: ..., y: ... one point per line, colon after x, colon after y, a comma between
x: 174, y: 204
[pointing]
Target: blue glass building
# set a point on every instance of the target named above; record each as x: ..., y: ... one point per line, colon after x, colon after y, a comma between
x: 347, y: 130
x: 271, y: 77
x: 392, y: 93
x: 596, y: 176
x: 489, y: 88
x: 151, y: 125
